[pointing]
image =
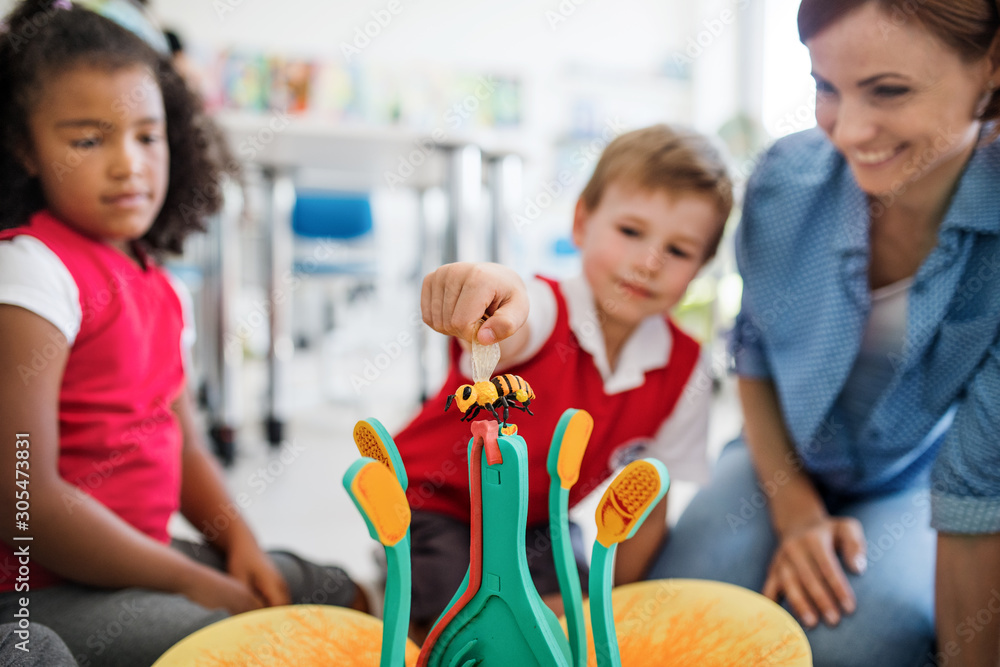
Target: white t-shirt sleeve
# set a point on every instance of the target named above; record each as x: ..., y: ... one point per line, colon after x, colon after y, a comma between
x: 34, y: 278
x: 541, y: 323
x: 681, y: 443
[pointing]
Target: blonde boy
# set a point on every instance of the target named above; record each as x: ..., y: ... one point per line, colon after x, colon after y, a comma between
x: 649, y: 219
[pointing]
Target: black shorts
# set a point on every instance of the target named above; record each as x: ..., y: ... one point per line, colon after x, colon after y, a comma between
x: 439, y: 552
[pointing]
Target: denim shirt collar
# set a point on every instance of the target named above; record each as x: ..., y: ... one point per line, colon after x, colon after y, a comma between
x: 849, y: 214
x: 851, y: 242
x: 981, y: 174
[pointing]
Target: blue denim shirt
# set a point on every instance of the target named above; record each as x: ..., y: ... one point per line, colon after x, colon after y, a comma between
x: 803, y: 251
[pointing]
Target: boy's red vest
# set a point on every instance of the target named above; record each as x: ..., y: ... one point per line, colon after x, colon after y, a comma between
x: 562, y: 375
x: 119, y: 440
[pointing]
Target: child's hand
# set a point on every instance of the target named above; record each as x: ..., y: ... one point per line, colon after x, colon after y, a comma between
x: 215, y: 590
x: 456, y: 296
x: 255, y: 569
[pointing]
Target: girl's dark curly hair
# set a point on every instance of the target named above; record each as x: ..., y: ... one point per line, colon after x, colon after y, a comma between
x: 40, y: 38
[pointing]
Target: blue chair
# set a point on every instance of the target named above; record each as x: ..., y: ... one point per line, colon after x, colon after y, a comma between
x: 333, y: 234
x: 333, y: 239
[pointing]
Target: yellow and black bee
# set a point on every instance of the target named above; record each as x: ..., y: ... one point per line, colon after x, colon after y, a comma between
x: 503, y: 391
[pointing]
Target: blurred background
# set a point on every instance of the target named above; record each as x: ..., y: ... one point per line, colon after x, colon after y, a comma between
x: 381, y: 138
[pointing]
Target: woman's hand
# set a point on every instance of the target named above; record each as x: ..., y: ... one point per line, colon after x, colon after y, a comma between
x: 250, y: 565
x: 217, y: 590
x: 456, y: 296
x: 806, y: 569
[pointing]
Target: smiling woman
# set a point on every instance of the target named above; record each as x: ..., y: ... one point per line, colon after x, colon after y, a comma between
x: 871, y: 405
x: 901, y: 106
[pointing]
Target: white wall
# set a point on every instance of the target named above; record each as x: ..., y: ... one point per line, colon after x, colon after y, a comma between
x: 535, y: 40
x: 514, y: 34
x: 613, y: 51
x: 789, y: 93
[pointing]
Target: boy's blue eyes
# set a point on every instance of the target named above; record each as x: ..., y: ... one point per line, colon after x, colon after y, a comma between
x: 631, y: 232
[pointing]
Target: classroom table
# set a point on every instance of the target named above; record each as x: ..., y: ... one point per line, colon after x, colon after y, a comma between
x: 278, y: 146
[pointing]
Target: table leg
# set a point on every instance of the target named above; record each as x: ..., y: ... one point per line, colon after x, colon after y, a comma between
x: 504, y: 179
x: 462, y: 238
x: 281, y: 198
x: 223, y: 347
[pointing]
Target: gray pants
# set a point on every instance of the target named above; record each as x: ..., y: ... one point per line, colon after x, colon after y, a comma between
x: 132, y: 627
x: 43, y: 647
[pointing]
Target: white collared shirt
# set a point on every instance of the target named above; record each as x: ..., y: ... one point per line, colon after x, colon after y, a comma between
x: 681, y: 442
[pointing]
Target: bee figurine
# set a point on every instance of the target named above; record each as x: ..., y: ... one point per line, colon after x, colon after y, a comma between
x: 503, y: 391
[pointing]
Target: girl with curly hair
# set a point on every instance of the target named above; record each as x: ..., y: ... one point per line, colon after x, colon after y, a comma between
x: 106, y: 161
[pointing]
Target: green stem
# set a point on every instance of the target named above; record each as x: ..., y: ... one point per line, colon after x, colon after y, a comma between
x: 566, y: 572
x: 396, y: 614
x: 602, y: 620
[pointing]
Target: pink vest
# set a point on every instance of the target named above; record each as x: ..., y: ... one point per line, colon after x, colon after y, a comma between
x: 563, y: 375
x: 119, y: 440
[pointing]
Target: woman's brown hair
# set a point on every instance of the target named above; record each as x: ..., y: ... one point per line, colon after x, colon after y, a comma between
x: 970, y: 27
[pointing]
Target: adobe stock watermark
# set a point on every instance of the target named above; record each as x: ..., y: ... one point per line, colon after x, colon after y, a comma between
x: 710, y: 31
x: 419, y: 496
x: 101, y: 640
x: 259, y: 481
x: 967, y: 630
x: 408, y: 164
x: 582, y: 159
x: 250, y: 147
x: 750, y: 507
x: 944, y: 142
x: 898, y: 17
x: 93, y: 306
x: 389, y: 352
x: 363, y: 35
x: 703, y: 379
x: 549, y: 193
x: 259, y: 314
x: 223, y: 7
x: 752, y: 329
x: 454, y: 117
x: 640, y: 615
x: 138, y: 94
x: 29, y: 29
x: 212, y: 191
x: 122, y: 105
x: 277, y: 645
x: 976, y: 278
x: 77, y: 152
x: 800, y: 118
x: 563, y: 11
x: 262, y: 309
x: 131, y: 440
x: 461, y: 111
x: 42, y: 357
